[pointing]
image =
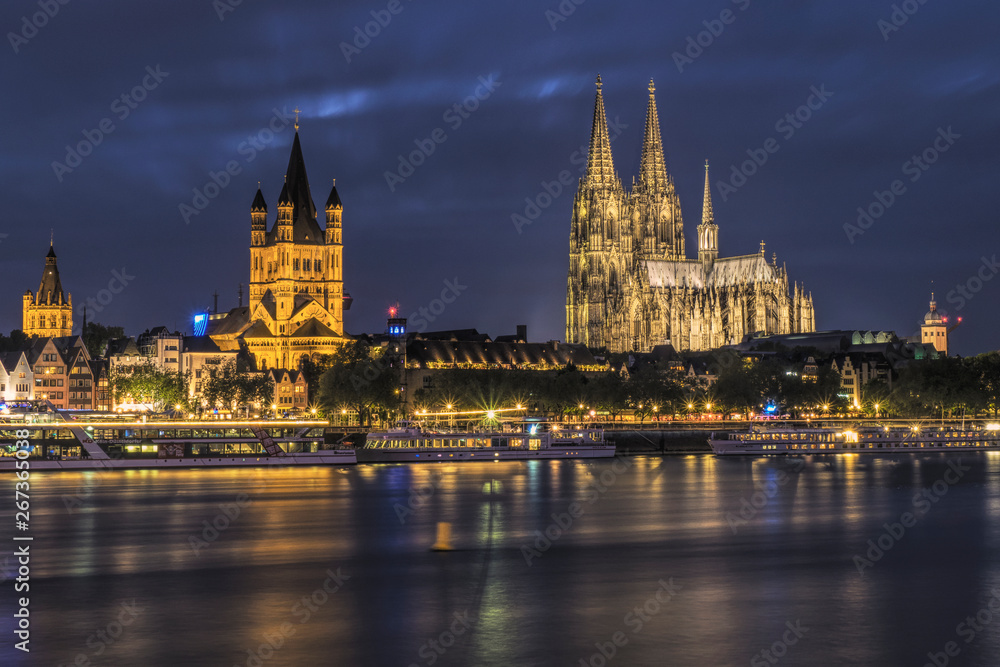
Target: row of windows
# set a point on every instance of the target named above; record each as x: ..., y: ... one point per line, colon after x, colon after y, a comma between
x: 84, y: 382
x: 50, y: 370
x: 305, y: 264
x: 45, y: 382
x: 51, y: 321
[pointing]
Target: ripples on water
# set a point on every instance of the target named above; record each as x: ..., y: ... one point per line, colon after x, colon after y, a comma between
x: 661, y: 524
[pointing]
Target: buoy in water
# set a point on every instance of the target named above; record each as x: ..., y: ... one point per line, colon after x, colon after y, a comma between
x: 443, y: 542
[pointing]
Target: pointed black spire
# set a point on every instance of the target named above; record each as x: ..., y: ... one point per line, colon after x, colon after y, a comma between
x: 258, y: 205
x: 50, y: 288
x: 298, y: 183
x: 283, y: 199
x: 333, y: 201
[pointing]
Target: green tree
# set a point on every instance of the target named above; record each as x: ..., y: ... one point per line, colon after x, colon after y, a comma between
x: 145, y: 383
x: 96, y: 337
x: 361, y: 378
x: 15, y: 342
x: 232, y: 386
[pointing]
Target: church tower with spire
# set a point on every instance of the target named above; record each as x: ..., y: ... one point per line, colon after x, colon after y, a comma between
x: 49, y: 312
x: 708, y: 231
x: 297, y: 299
x: 631, y: 286
x: 600, y: 239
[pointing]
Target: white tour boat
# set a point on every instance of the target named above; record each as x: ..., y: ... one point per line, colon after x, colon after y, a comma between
x: 861, y: 440
x: 410, y: 442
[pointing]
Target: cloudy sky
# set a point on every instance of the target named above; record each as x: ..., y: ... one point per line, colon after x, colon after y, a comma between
x: 207, y: 84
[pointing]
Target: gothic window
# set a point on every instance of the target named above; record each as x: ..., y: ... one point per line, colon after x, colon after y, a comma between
x: 317, y: 265
x: 295, y: 264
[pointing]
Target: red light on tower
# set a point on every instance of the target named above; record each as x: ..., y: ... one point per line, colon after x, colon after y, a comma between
x: 392, y: 311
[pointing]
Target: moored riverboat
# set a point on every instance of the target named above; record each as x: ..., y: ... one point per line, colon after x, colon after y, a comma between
x: 860, y: 440
x: 411, y: 442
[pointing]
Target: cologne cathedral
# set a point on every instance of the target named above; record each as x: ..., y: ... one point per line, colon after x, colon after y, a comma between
x: 631, y: 285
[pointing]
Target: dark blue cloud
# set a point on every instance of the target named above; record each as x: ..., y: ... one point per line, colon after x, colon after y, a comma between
x: 452, y: 217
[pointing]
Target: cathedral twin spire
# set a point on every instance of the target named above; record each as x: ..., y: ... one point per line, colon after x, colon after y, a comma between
x: 600, y: 164
x: 653, y: 168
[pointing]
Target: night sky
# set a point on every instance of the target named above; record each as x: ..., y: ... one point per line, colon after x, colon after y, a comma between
x: 218, y: 81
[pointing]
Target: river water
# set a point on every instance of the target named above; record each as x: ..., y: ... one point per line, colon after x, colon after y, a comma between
x: 684, y: 560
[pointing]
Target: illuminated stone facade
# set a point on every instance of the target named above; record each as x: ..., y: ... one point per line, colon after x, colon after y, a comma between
x: 631, y: 286
x: 49, y: 312
x: 296, y: 307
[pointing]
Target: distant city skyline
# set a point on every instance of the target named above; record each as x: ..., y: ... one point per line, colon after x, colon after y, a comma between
x: 858, y: 142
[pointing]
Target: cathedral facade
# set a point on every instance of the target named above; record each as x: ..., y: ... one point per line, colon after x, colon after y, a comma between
x: 631, y: 285
x: 49, y: 312
x: 297, y: 299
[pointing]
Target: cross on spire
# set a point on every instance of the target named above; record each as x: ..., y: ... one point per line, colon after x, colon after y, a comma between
x: 297, y: 112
